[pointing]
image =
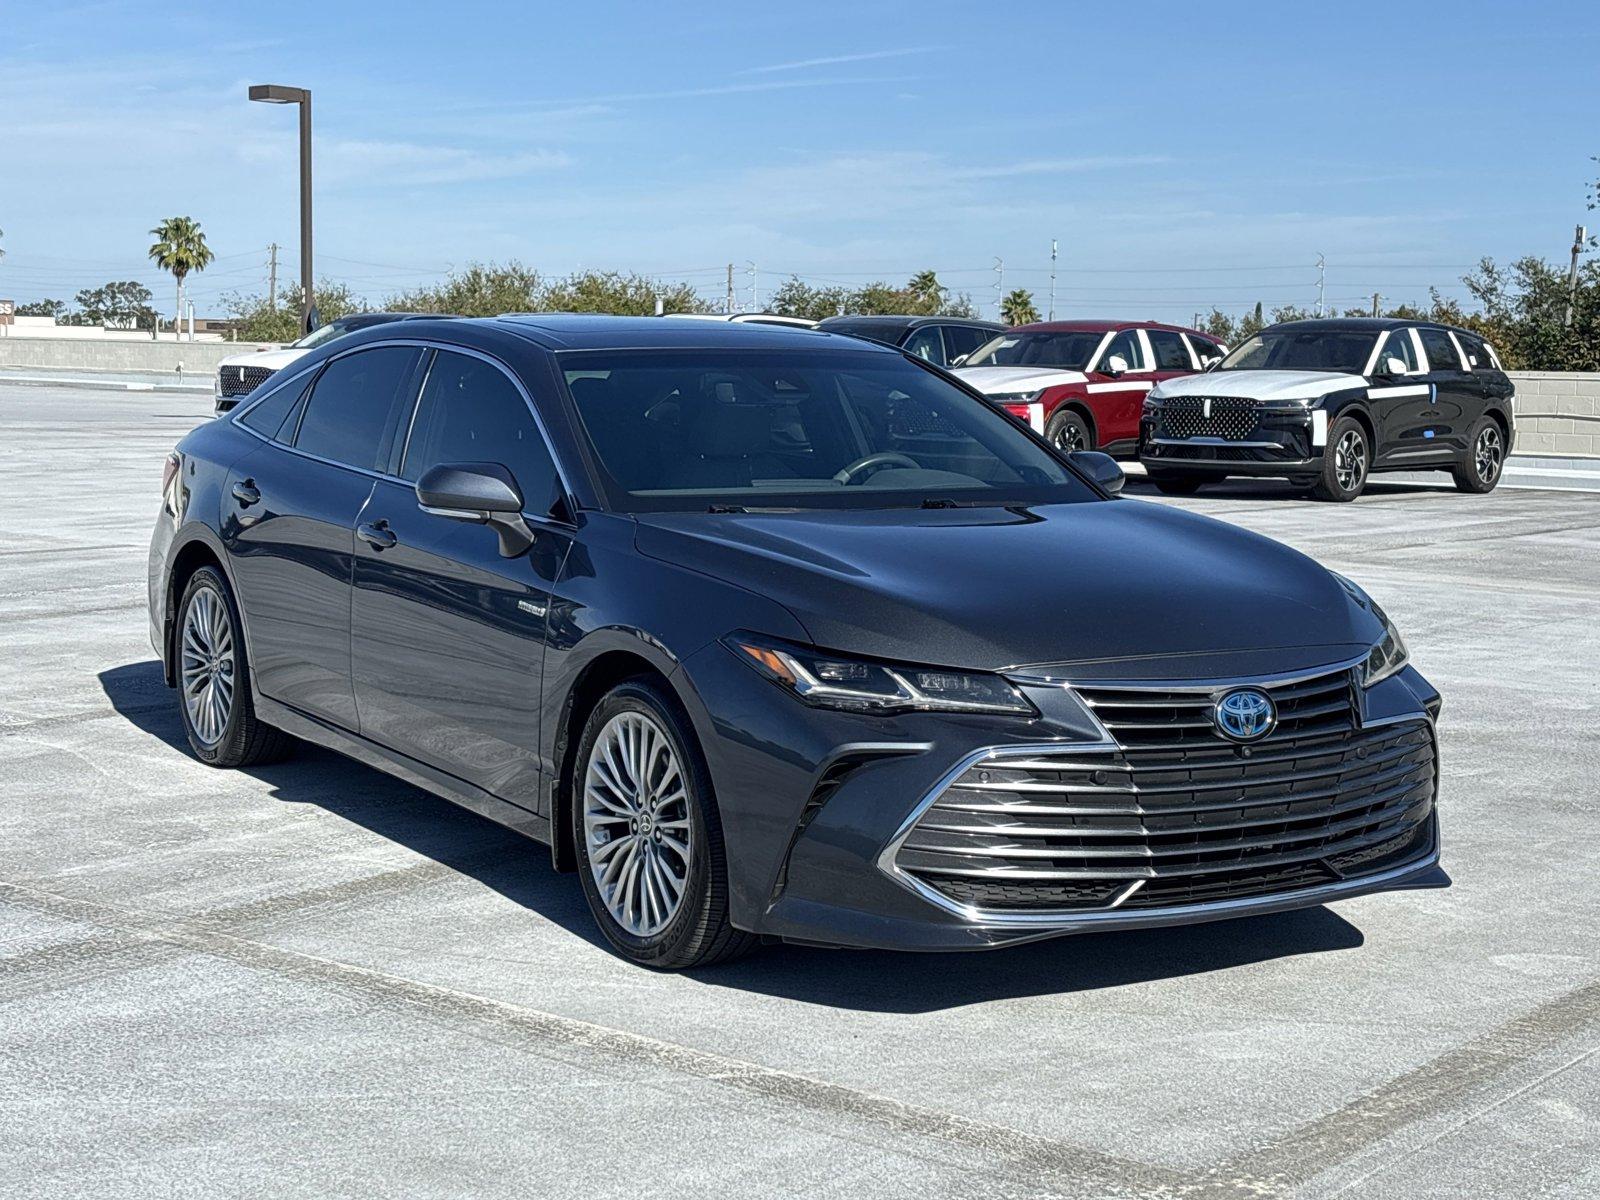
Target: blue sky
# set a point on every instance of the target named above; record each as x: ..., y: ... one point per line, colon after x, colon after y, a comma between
x: 1185, y: 156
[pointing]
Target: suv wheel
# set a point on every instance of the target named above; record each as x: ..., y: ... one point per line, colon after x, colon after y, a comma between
x: 219, y: 715
x: 1485, y: 460
x: 649, y: 840
x: 1068, y: 432
x: 1345, y: 462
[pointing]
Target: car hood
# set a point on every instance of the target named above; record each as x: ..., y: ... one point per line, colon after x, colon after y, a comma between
x: 273, y: 360
x: 990, y: 588
x: 993, y: 381
x: 1259, y: 385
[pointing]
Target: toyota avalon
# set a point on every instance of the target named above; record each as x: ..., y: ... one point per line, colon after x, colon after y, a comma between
x: 773, y: 634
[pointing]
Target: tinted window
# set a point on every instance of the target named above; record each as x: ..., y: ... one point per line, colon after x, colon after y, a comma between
x: 1126, y: 344
x: 1290, y: 349
x: 925, y: 344
x: 811, y: 429
x: 267, y: 416
x: 1479, y: 357
x: 1399, y: 345
x: 350, y: 406
x: 1205, y: 350
x: 470, y: 412
x: 1440, y: 350
x: 964, y: 339
x: 1070, y: 349
x: 1171, y: 354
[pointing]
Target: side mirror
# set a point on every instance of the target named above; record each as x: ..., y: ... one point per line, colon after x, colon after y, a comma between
x: 483, y: 493
x: 1393, y: 365
x: 1115, y: 365
x: 1101, y: 468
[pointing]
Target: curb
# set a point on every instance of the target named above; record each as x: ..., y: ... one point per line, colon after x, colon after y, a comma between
x: 107, y: 385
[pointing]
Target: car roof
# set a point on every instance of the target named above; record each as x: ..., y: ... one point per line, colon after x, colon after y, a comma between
x: 586, y: 331
x: 1105, y: 326
x: 1345, y: 324
x: 906, y: 321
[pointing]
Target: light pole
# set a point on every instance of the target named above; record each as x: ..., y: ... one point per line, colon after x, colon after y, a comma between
x: 274, y: 93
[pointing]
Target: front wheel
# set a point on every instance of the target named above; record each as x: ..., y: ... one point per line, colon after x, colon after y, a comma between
x: 1068, y: 432
x: 1486, y: 457
x: 1345, y: 462
x: 649, y: 839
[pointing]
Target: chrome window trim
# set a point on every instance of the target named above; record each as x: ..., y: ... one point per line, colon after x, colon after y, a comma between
x: 1070, y: 918
x: 423, y: 344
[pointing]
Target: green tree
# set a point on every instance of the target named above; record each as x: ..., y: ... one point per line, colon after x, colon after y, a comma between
x: 626, y: 295
x: 921, y: 296
x: 1018, y: 308
x: 180, y: 248
x: 43, y: 308
x: 796, y: 298
x: 122, y: 304
x: 258, y: 321
x: 481, y: 290
x: 1524, y: 314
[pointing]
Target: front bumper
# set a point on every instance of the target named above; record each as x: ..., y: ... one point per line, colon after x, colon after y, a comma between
x: 817, y: 807
x: 1282, y: 442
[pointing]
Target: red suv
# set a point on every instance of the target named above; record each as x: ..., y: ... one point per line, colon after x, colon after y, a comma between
x: 1082, y: 383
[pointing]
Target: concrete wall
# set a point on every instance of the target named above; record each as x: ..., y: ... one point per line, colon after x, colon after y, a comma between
x: 1558, y: 412
x: 119, y: 356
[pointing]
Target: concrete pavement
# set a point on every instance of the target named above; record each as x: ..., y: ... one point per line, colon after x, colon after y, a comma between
x: 313, y: 980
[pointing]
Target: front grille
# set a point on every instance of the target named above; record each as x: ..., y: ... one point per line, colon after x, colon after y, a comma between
x: 1228, y: 417
x: 241, y: 381
x: 1176, y: 815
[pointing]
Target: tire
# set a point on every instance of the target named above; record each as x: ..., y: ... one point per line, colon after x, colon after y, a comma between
x: 1175, y: 483
x: 1485, y: 461
x: 1346, y: 462
x: 213, y: 674
x: 630, y: 889
x: 1068, y: 432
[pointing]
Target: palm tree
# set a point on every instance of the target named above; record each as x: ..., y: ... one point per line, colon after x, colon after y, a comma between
x: 180, y: 248
x: 925, y: 287
x: 1018, y: 308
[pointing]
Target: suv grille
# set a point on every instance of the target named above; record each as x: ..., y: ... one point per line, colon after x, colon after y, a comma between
x: 1228, y: 417
x: 1176, y: 815
x: 241, y: 381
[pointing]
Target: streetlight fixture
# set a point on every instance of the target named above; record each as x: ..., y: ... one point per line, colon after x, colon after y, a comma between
x: 275, y: 93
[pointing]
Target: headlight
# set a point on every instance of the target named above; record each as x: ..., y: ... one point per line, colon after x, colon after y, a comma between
x: 833, y: 681
x: 1014, y: 397
x: 1388, y: 653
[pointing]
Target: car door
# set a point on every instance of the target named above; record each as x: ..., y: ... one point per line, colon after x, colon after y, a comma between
x: 447, y: 635
x: 290, y: 529
x: 1458, y: 399
x: 1400, y: 399
x: 1117, y: 398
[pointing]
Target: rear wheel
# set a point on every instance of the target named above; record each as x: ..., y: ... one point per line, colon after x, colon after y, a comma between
x: 219, y: 716
x: 1485, y: 460
x: 1068, y: 432
x: 1345, y: 462
x: 1175, y: 483
x: 649, y: 839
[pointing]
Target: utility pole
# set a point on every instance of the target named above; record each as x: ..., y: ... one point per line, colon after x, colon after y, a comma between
x: 1052, y: 279
x: 1322, y: 280
x: 272, y: 276
x: 1572, y: 275
x: 999, y: 284
x: 1375, y: 299
x: 727, y: 305
x: 755, y: 286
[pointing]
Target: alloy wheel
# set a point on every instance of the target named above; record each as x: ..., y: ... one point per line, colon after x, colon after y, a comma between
x: 636, y: 825
x: 208, y: 663
x: 1350, y: 460
x: 1488, y: 454
x: 1069, y: 437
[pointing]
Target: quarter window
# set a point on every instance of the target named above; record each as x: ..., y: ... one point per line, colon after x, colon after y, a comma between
x: 1477, y: 351
x: 1126, y: 344
x: 267, y: 416
x: 470, y: 412
x: 352, y: 403
x: 1170, y: 352
x: 1440, y: 350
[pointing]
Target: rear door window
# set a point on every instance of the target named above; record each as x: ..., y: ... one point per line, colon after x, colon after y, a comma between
x: 1171, y: 354
x: 964, y: 339
x: 354, y: 406
x: 1441, y: 351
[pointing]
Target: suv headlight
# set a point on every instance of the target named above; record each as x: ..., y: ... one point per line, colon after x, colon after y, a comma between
x: 827, y: 680
x: 1014, y: 397
x: 1388, y: 654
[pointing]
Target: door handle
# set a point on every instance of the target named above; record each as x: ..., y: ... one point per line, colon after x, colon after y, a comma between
x: 378, y: 535
x: 246, y: 493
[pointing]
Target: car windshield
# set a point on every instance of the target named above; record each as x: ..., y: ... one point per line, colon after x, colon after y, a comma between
x: 321, y: 336
x: 687, y: 430
x: 1071, y: 349
x: 1346, y: 351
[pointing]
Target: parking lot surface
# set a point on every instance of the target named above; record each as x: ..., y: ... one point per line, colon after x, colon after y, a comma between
x: 313, y: 980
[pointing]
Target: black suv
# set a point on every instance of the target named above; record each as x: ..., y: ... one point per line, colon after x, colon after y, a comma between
x: 1326, y: 403
x: 943, y: 341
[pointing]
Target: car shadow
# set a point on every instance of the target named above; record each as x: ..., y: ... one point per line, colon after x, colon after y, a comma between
x: 1281, y: 490
x: 865, y: 980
